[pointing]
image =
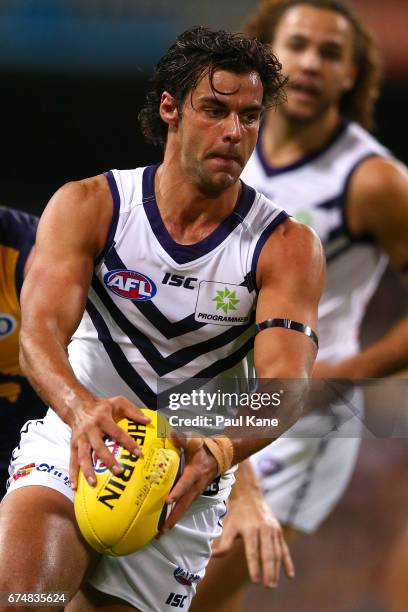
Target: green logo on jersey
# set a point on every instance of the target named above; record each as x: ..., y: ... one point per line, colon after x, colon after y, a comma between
x: 226, y: 300
x: 304, y: 216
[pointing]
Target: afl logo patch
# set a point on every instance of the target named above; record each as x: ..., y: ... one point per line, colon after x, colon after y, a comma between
x: 7, y: 325
x: 130, y: 285
x: 185, y: 577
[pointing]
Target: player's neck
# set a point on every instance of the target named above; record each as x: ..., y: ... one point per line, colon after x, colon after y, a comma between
x: 188, y: 214
x: 285, y: 142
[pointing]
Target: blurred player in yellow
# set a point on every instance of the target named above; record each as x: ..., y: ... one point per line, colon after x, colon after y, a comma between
x: 18, y: 402
x: 316, y: 158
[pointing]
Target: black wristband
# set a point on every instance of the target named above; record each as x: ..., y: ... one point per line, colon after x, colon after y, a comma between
x: 288, y: 324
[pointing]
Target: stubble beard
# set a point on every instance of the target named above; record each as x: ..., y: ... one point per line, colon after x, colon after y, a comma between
x: 212, y: 188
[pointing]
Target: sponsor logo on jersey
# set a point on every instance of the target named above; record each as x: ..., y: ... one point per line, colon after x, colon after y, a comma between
x: 223, y: 303
x: 99, y: 466
x: 130, y: 285
x: 185, y: 577
x: 178, y: 280
x: 7, y: 325
x: 226, y: 300
x: 176, y: 600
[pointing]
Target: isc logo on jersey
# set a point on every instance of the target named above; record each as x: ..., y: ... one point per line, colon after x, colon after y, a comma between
x: 130, y: 285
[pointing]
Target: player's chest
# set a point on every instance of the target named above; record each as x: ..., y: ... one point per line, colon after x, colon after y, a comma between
x: 149, y: 286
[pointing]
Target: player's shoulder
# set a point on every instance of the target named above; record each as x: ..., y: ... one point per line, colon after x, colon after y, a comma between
x: 80, y: 212
x: 84, y: 200
x: 378, y: 187
x: 293, y: 244
x: 90, y: 190
x: 295, y: 237
x: 377, y: 175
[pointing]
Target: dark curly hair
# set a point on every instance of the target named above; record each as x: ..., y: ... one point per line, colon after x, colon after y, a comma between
x: 199, y: 50
x: 358, y: 103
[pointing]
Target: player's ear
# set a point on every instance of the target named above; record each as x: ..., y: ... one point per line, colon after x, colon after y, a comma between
x: 168, y: 110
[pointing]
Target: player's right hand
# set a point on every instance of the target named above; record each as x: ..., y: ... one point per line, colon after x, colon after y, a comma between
x: 94, y: 420
x: 199, y: 470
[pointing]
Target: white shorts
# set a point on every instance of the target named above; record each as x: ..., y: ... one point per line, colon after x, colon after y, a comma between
x: 165, y: 573
x: 303, y: 477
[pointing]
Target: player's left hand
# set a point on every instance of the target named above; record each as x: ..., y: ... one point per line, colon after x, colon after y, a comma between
x: 250, y: 518
x: 199, y: 470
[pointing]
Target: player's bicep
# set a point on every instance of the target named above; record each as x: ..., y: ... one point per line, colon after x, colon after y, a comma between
x: 291, y: 281
x: 391, y: 231
x: 378, y: 207
x: 71, y: 233
x: 54, y: 296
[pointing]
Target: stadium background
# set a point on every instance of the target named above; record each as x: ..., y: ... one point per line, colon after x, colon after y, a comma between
x: 74, y: 74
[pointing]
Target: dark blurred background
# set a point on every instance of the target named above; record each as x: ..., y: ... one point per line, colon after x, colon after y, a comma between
x: 74, y: 74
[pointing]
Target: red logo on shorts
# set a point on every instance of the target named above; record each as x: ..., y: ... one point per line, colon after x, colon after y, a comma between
x: 24, y: 471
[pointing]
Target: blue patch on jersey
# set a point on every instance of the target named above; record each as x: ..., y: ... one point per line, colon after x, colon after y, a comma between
x: 130, y: 285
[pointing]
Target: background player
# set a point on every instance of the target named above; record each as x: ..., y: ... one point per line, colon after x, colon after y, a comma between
x: 190, y: 215
x: 315, y: 158
x: 18, y: 402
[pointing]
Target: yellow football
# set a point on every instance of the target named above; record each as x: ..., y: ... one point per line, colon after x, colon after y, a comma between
x: 122, y: 513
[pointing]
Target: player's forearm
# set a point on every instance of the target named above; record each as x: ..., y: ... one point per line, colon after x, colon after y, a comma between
x: 245, y: 447
x: 246, y: 483
x: 44, y: 361
x: 382, y: 358
x: 263, y: 426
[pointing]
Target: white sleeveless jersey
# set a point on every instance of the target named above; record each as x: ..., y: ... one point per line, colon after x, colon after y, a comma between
x: 314, y: 190
x: 157, y: 309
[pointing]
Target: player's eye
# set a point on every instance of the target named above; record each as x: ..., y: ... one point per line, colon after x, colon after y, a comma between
x: 296, y: 44
x: 331, y: 53
x: 214, y: 112
x: 250, y: 118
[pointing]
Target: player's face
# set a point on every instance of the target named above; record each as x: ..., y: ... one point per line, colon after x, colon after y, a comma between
x: 219, y: 128
x: 315, y: 48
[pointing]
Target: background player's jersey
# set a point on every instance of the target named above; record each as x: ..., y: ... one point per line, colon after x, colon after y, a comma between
x: 17, y: 236
x: 314, y: 191
x: 158, y: 309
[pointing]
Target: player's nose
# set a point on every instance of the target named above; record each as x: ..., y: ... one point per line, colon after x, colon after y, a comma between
x: 232, y: 128
x: 310, y: 60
